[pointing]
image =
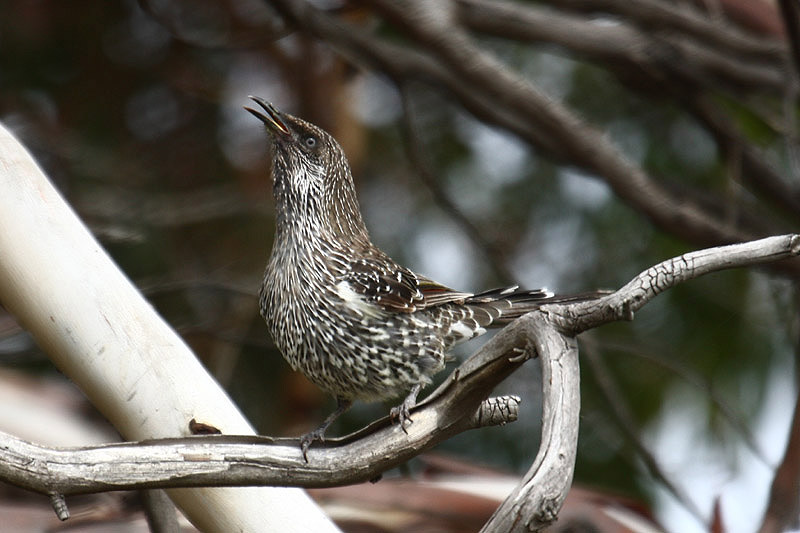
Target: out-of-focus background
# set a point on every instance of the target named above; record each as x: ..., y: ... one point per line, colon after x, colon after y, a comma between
x: 134, y: 110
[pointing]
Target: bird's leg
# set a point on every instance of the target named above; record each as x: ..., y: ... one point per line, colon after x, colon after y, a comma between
x: 319, y: 433
x: 401, y: 412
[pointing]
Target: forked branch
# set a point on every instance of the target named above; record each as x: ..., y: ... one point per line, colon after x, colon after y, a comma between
x: 459, y: 404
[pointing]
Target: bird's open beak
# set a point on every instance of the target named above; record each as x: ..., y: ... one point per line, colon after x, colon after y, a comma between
x: 271, y: 117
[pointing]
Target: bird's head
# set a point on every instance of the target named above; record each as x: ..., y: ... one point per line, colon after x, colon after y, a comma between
x: 312, y: 179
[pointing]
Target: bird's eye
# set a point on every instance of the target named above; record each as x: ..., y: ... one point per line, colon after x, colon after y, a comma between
x: 310, y: 141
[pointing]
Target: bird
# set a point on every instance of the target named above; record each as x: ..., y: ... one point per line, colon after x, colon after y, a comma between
x: 356, y: 323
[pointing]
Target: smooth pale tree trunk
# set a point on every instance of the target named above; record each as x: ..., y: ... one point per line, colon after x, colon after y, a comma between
x: 99, y: 330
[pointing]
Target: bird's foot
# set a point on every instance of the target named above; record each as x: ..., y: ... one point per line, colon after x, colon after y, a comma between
x: 522, y: 355
x: 319, y: 433
x: 402, y: 412
x: 307, y: 439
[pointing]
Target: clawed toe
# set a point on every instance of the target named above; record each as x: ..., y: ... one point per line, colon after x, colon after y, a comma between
x: 308, y: 439
x: 402, y: 414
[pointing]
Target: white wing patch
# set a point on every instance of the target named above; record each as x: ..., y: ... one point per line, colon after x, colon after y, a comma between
x: 356, y: 302
x: 463, y: 330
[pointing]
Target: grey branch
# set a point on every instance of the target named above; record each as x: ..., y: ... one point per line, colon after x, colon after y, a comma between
x: 622, y: 304
x: 705, y: 56
x: 460, y: 403
x: 537, y: 499
x: 244, y: 460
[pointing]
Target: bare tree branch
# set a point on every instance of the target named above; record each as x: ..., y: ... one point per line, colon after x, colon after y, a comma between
x: 535, y: 502
x: 576, y: 141
x: 696, y: 58
x: 683, y: 18
x: 663, y: 60
x: 622, y: 304
x: 458, y: 404
x: 653, y: 50
x: 226, y: 461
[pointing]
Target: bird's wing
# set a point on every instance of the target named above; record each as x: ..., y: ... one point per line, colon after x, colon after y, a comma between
x: 396, y: 288
x: 438, y: 294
